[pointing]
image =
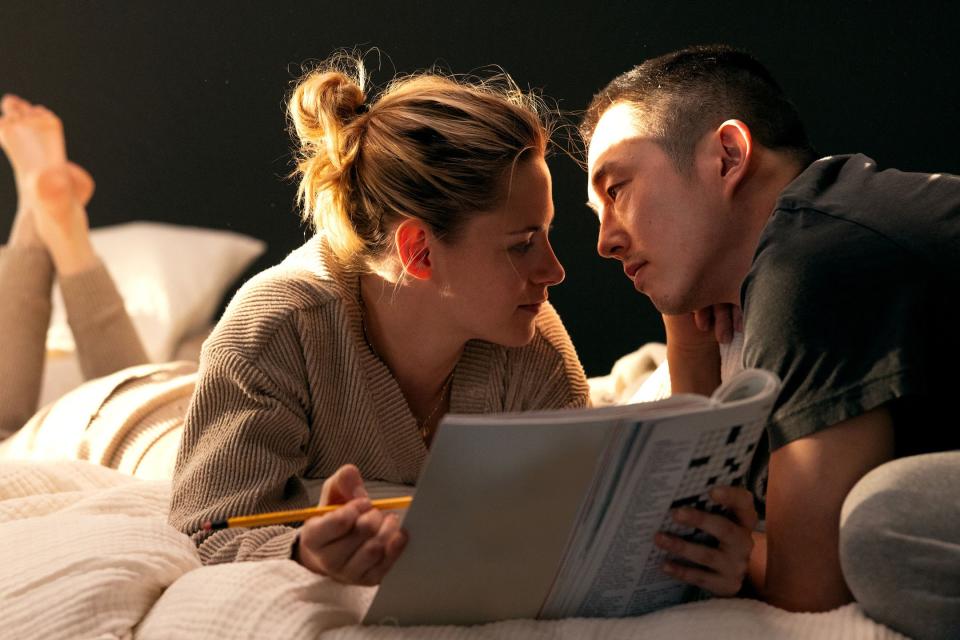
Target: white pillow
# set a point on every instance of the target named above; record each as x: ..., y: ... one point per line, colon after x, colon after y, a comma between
x: 171, y: 279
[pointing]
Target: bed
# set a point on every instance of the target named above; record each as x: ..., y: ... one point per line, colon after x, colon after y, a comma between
x: 87, y: 552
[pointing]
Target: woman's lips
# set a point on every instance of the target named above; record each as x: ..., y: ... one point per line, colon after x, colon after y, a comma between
x: 532, y: 308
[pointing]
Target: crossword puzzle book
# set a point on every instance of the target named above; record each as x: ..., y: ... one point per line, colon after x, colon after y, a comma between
x: 552, y: 514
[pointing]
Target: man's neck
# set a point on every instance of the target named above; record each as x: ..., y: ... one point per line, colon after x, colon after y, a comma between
x: 772, y: 172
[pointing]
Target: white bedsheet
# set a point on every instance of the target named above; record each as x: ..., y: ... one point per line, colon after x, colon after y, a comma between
x: 86, y: 553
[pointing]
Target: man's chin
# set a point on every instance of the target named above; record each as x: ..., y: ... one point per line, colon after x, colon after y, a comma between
x: 671, y: 305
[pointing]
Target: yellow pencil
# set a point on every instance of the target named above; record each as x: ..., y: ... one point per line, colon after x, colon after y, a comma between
x: 298, y: 515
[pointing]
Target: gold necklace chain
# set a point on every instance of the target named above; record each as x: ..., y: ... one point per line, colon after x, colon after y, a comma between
x: 423, y: 426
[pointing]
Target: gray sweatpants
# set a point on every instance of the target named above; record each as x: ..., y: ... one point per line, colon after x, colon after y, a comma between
x: 900, y: 544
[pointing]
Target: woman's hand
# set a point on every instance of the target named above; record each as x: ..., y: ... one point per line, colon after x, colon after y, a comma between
x: 356, y: 544
x: 722, y: 569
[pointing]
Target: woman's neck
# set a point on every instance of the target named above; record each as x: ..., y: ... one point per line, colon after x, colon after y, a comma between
x: 404, y: 327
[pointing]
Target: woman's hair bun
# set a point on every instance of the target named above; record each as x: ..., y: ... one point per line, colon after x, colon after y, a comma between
x: 323, y: 103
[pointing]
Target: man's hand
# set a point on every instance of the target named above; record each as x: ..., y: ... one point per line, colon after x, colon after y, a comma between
x: 356, y: 544
x: 693, y: 349
x: 704, y: 327
x: 722, y: 569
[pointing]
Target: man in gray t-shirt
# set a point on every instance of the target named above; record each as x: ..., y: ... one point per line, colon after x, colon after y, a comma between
x: 709, y: 192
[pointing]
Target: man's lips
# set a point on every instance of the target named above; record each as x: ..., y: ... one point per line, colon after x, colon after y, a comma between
x: 632, y: 268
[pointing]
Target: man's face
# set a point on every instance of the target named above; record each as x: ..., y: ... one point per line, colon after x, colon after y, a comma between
x: 666, y: 228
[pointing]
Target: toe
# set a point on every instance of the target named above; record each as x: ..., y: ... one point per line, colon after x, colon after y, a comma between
x: 43, y: 116
x: 13, y: 105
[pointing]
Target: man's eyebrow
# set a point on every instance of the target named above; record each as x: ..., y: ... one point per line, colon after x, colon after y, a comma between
x: 601, y: 173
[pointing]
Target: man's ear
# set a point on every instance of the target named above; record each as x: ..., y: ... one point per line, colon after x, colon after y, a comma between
x: 736, y: 151
x: 413, y: 246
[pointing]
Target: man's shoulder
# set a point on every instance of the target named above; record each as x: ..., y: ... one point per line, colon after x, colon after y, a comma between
x: 917, y: 212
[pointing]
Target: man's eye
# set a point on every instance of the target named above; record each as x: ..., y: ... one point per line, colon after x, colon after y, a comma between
x: 613, y: 191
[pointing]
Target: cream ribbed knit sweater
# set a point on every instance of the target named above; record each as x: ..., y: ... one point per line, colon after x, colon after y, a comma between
x: 288, y: 390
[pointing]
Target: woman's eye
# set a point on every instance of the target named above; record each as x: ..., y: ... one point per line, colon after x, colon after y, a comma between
x: 523, y: 247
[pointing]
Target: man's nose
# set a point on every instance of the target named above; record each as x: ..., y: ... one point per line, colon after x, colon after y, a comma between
x: 611, y: 239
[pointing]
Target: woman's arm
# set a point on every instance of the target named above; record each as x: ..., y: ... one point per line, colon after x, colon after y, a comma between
x: 242, y: 452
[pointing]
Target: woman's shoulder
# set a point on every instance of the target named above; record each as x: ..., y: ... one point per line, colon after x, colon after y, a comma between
x: 276, y: 297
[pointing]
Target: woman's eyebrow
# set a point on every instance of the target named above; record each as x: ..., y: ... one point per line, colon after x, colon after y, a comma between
x: 530, y: 229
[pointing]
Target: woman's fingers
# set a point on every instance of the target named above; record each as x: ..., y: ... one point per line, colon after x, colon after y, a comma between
x: 335, y: 554
x: 345, y: 484
x: 372, y: 560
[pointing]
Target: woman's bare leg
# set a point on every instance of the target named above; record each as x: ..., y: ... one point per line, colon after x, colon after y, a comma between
x: 50, y: 233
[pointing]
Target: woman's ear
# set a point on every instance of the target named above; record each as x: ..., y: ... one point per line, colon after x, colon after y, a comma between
x: 736, y: 151
x: 413, y: 247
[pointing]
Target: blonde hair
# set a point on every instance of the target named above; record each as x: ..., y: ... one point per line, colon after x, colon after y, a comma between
x: 430, y: 146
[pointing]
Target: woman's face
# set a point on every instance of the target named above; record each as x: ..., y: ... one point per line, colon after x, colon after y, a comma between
x: 494, y: 276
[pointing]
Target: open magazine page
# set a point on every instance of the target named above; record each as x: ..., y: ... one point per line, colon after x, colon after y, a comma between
x: 611, y: 567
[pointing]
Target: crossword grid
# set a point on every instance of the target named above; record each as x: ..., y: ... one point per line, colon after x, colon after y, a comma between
x: 721, y: 457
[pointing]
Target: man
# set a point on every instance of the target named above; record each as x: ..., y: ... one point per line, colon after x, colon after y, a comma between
x: 709, y: 192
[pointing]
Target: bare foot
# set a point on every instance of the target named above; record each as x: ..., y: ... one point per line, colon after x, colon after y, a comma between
x: 32, y: 138
x: 58, y: 194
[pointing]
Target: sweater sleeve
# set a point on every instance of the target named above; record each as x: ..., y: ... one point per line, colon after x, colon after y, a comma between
x: 26, y: 277
x: 242, y: 453
x: 105, y: 336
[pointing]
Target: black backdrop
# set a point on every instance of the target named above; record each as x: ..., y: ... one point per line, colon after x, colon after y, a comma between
x: 177, y: 108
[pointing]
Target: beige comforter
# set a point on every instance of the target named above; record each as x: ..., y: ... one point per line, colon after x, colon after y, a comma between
x: 85, y: 550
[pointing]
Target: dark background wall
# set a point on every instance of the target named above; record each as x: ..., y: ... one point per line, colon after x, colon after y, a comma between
x: 177, y: 108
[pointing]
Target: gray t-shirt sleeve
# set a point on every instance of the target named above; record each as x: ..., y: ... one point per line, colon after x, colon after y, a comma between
x: 837, y: 314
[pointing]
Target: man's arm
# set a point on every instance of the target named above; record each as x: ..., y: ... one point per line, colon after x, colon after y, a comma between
x: 808, y: 482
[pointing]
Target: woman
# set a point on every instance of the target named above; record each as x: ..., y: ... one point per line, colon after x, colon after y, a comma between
x: 424, y: 291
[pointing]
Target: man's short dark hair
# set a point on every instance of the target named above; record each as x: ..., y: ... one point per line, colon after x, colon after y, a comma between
x: 682, y: 95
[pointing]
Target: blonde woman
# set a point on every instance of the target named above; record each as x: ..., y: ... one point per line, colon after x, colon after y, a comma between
x: 424, y: 291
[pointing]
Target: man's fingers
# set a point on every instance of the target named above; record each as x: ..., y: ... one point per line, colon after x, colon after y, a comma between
x: 715, y: 583
x: 694, y: 552
x: 733, y: 538
x: 723, y: 323
x: 740, y: 503
x: 703, y: 318
x: 738, y: 318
